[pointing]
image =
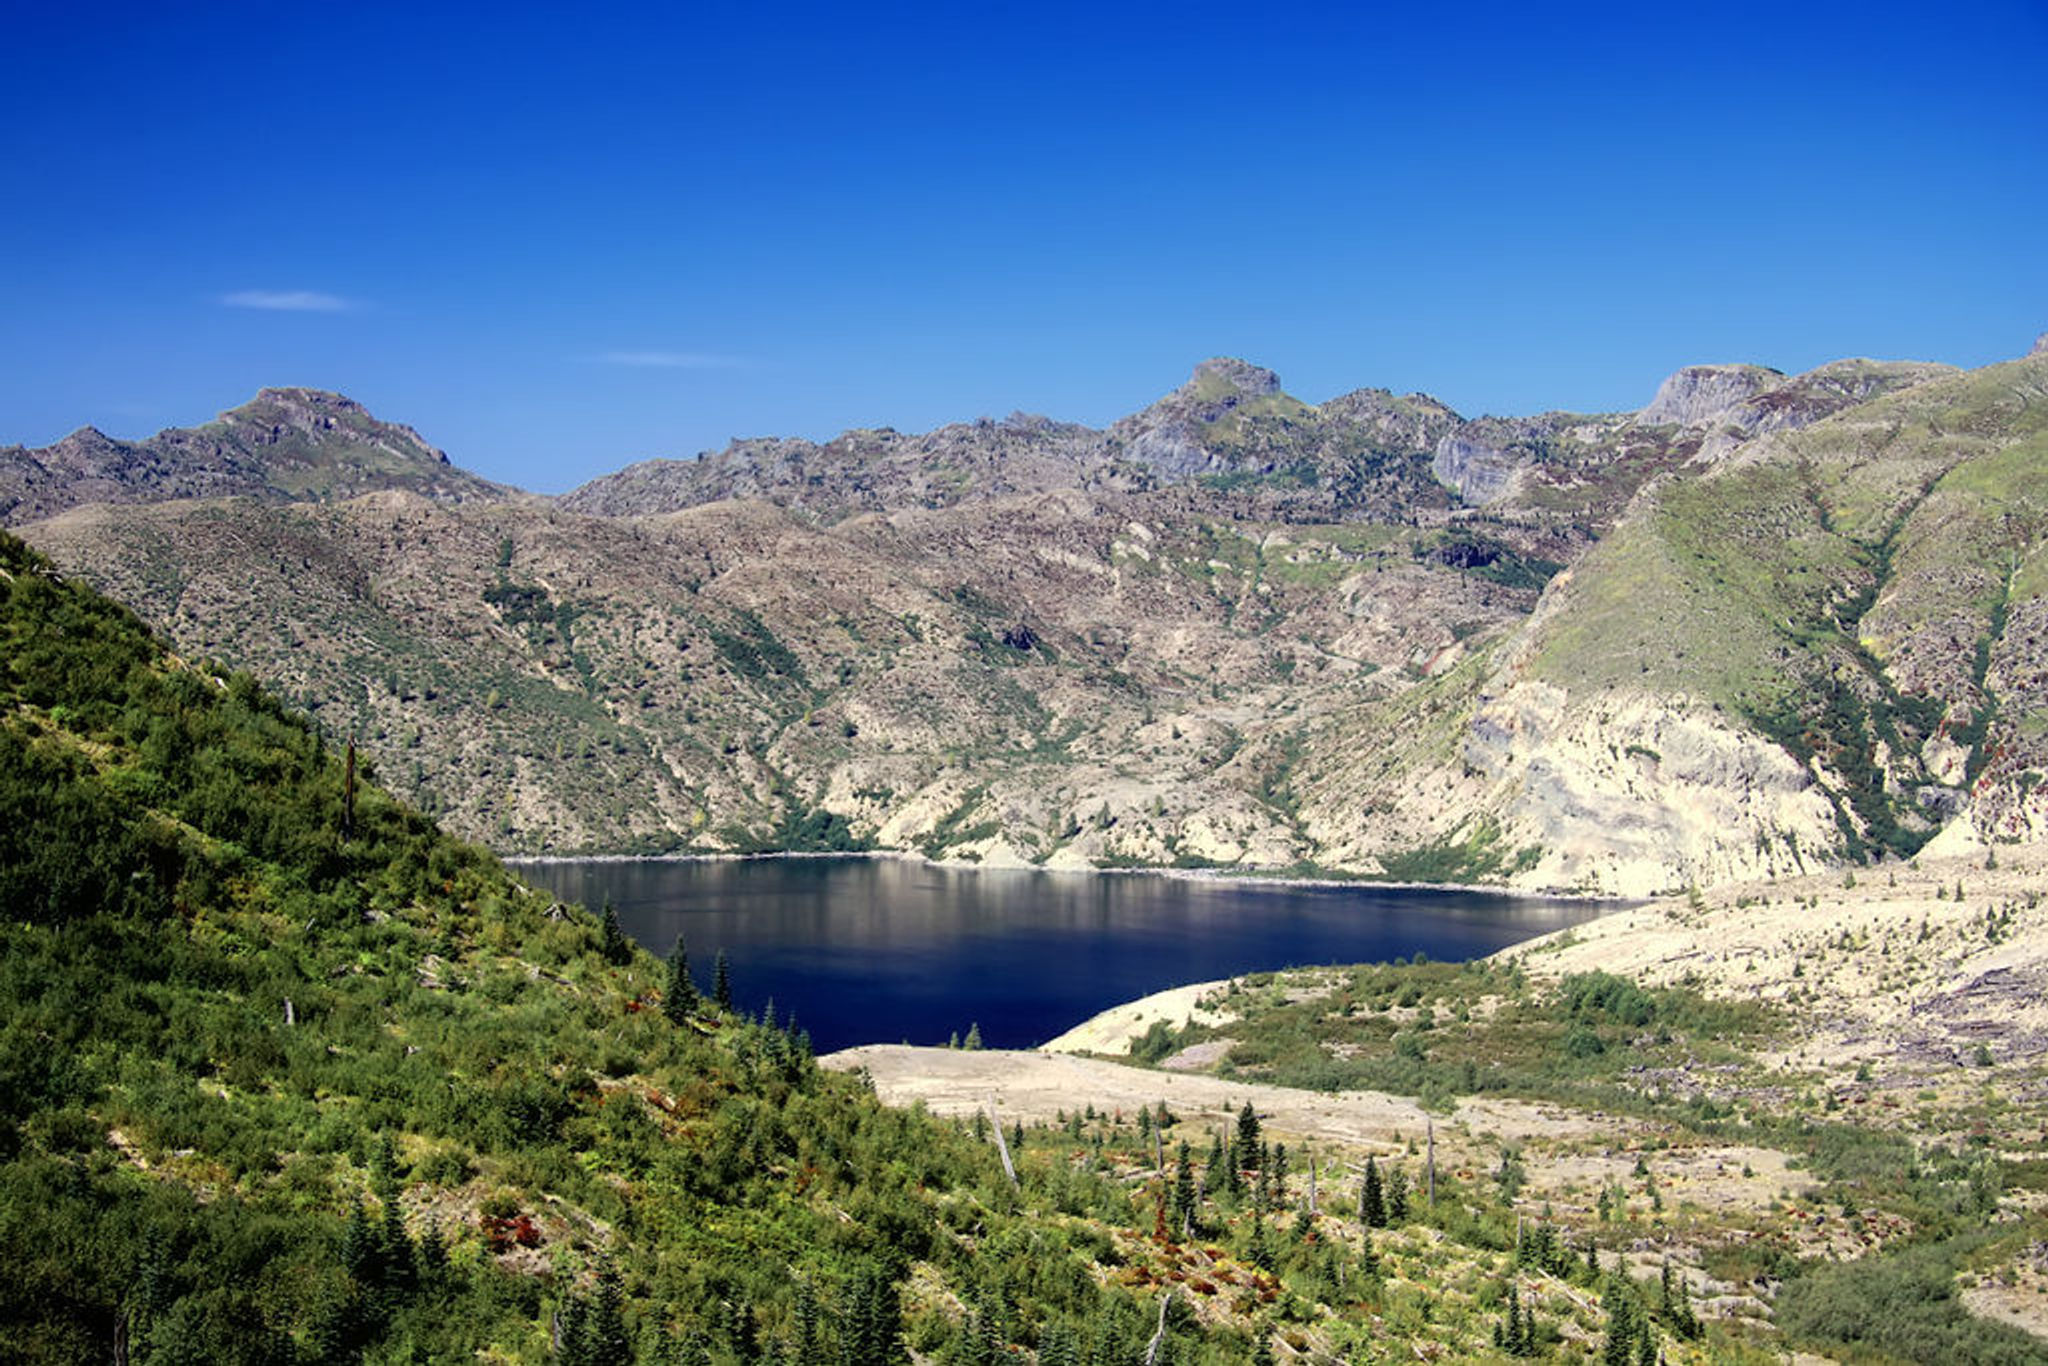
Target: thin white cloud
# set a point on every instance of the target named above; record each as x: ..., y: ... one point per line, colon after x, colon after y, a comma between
x: 287, y: 301
x: 666, y: 360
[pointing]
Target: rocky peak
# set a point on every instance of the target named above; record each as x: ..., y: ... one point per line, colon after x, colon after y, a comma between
x: 1700, y: 395
x: 1222, y: 374
x: 2040, y: 345
x: 314, y: 414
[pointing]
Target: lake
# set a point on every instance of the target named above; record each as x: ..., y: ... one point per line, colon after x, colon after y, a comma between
x: 881, y: 950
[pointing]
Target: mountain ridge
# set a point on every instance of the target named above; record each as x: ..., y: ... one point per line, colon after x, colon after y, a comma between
x: 1361, y: 638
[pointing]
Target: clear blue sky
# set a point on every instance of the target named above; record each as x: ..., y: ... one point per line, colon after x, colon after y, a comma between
x: 559, y: 241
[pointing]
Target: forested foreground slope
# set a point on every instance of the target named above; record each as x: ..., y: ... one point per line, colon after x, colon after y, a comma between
x: 277, y: 1090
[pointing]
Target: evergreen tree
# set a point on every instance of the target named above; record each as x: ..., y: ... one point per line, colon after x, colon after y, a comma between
x: 1247, y: 1136
x: 1507, y: 1334
x: 153, y: 1292
x: 1397, y: 1195
x: 433, y: 1254
x: 605, y: 1323
x: 881, y: 1340
x: 1623, y: 1324
x: 973, y: 1039
x: 1675, y: 1304
x: 1372, y: 1206
x: 394, y: 1247
x: 1280, y: 1174
x: 1058, y: 1346
x: 1258, y: 1251
x: 1145, y: 1121
x: 984, y: 1344
x: 359, y: 1248
x: 1213, y: 1172
x: 1262, y: 1354
x: 679, y: 993
x: 721, y: 980
x: 742, y: 1333
x: 572, y: 1337
x: 1184, y: 1198
x: 617, y: 949
x: 1105, y: 1350
x: 809, y: 1347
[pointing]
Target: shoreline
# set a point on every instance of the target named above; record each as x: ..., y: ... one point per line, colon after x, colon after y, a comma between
x: 1205, y: 875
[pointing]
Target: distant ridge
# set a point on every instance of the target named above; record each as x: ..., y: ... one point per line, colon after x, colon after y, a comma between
x: 284, y: 445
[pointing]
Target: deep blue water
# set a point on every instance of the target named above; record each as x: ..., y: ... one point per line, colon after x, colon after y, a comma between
x: 889, y: 950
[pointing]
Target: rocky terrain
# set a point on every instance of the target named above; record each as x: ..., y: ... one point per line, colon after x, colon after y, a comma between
x: 286, y: 445
x: 1764, y: 625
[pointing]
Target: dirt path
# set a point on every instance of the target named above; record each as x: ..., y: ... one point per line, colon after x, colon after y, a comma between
x: 1037, y: 1087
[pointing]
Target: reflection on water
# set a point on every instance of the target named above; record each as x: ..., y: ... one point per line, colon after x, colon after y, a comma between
x: 889, y: 950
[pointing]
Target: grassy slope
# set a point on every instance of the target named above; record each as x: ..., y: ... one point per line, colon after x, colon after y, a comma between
x: 180, y: 1148
x: 1832, y: 584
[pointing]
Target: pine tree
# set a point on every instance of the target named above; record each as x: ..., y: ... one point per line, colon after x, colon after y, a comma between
x: 873, y: 1335
x: 572, y: 1335
x: 1247, y: 1137
x: 1280, y: 1174
x: 808, y: 1349
x: 1259, y: 1252
x: 605, y: 1324
x: 359, y: 1248
x: 984, y: 1345
x: 973, y: 1039
x: 433, y: 1255
x: 721, y: 981
x: 1372, y: 1207
x: 1212, y: 1173
x: 395, y: 1249
x: 742, y: 1333
x: 1184, y: 1198
x: 679, y: 993
x: 616, y: 947
x: 1623, y: 1327
x: 1397, y: 1196
x: 1058, y: 1346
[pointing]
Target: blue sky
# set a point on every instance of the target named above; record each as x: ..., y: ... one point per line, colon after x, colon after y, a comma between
x: 556, y: 242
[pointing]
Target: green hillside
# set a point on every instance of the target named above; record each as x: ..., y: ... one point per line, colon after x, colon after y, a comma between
x: 279, y: 1089
x: 1865, y: 591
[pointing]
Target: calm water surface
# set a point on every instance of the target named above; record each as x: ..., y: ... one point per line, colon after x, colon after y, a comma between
x: 889, y: 950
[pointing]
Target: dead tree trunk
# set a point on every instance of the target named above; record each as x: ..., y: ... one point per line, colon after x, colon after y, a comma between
x: 1159, y: 1335
x: 1002, y: 1144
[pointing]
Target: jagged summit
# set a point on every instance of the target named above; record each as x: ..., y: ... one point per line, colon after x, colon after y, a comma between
x: 285, y: 445
x: 1699, y: 394
x: 1228, y: 372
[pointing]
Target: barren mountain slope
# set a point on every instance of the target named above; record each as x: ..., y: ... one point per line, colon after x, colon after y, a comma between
x: 285, y: 445
x: 1232, y: 629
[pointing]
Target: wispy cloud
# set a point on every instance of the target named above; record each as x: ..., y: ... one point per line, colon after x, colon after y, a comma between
x: 666, y: 360
x: 287, y: 301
